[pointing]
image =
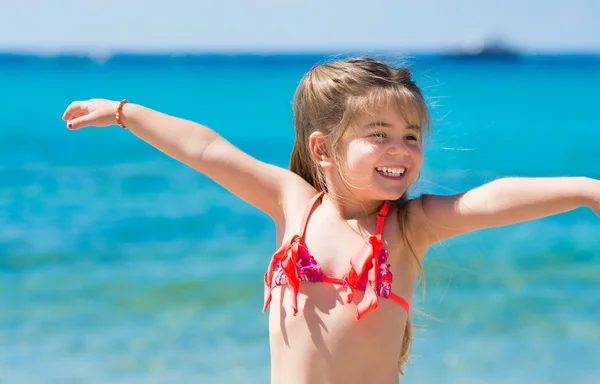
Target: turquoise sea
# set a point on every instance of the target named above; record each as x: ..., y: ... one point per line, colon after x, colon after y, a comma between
x: 121, y: 265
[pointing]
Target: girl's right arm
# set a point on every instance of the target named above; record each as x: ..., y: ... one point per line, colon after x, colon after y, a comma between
x: 263, y: 185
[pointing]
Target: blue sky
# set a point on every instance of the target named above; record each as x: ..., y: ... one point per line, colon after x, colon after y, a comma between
x: 295, y: 25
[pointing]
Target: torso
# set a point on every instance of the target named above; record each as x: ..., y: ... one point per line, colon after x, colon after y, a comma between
x: 325, y: 343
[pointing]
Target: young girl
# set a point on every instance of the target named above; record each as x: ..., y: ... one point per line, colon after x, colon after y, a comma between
x: 351, y: 242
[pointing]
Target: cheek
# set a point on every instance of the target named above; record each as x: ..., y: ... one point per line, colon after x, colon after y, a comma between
x: 416, y: 159
x: 361, y: 156
x: 418, y: 156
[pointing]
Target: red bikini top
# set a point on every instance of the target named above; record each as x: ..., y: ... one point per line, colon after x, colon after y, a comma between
x: 368, y: 272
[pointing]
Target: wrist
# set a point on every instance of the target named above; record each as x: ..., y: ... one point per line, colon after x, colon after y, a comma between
x: 126, y: 114
x: 119, y: 113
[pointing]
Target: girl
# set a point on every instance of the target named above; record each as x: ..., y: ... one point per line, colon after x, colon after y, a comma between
x: 351, y: 242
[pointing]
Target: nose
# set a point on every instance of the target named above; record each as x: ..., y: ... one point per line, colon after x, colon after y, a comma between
x: 398, y: 148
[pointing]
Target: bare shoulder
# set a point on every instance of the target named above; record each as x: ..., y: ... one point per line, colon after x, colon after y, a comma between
x: 415, y: 226
x: 295, y: 197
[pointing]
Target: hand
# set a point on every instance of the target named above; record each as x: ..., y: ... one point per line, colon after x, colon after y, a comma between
x: 94, y: 112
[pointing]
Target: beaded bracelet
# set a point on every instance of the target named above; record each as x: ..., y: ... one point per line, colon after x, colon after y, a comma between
x: 119, y: 112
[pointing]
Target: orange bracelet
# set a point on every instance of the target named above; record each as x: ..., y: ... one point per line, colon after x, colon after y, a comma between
x: 120, y: 111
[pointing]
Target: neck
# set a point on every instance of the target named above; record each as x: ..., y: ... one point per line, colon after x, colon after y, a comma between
x: 351, y: 207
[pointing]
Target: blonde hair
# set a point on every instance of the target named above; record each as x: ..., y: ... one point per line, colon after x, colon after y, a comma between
x: 329, y: 98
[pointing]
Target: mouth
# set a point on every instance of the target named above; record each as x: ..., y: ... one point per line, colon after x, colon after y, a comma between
x: 394, y: 173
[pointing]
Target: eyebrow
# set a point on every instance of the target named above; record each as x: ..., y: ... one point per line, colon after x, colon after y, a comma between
x: 414, y: 127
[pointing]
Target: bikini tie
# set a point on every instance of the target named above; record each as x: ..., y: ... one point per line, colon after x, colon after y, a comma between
x: 365, y: 263
x: 287, y: 254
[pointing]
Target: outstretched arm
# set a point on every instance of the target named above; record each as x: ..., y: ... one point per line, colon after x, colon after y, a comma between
x: 502, y: 202
x: 201, y: 148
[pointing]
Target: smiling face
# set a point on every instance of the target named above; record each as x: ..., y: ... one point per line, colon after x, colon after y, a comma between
x: 381, y: 154
x: 359, y: 125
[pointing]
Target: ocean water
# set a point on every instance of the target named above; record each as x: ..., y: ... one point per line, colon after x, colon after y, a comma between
x: 119, y: 264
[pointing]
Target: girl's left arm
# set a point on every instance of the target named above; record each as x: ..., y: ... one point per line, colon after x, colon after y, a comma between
x: 502, y: 202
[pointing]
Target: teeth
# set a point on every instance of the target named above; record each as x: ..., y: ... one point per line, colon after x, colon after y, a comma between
x: 388, y: 171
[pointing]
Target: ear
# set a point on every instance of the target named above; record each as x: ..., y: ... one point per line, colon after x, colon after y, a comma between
x: 319, y: 149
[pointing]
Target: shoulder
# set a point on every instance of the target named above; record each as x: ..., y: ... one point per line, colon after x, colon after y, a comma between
x: 413, y: 226
x: 294, y: 201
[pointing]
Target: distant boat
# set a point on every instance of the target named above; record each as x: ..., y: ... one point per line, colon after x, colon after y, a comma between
x: 490, y: 50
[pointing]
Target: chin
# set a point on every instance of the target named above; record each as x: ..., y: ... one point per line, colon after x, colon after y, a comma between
x: 393, y: 193
x: 395, y: 196
x: 391, y: 187
x: 389, y: 195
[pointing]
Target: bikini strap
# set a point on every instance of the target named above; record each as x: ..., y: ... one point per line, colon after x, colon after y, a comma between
x: 383, y: 211
x: 307, y: 212
x: 310, y: 206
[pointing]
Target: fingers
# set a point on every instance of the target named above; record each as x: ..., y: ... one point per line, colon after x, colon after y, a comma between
x: 81, y: 121
x: 74, y: 110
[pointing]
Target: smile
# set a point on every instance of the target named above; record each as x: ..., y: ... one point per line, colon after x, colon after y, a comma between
x: 391, y: 172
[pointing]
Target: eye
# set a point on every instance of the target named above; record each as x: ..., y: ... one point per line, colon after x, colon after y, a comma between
x: 412, y: 138
x: 379, y: 135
